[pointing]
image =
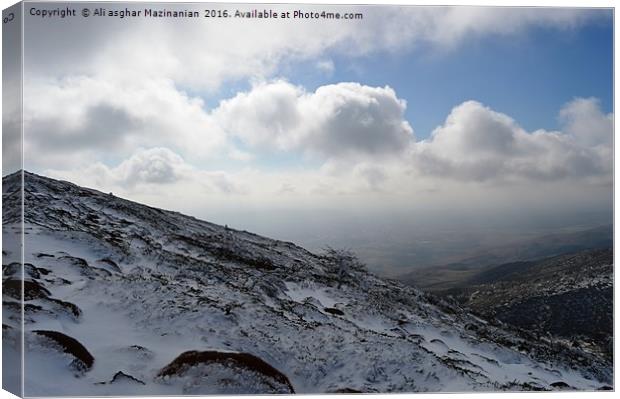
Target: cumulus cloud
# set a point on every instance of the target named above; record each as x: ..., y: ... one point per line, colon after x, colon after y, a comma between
x: 152, y: 168
x: 265, y: 117
x: 83, y: 115
x: 478, y: 144
x: 157, y: 165
x: 146, y: 166
x: 127, y: 92
x: 342, y: 121
x: 339, y: 127
x: 583, y: 120
x: 345, y: 120
x: 355, y: 135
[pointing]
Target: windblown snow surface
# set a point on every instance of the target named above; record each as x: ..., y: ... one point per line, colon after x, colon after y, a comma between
x: 125, y: 299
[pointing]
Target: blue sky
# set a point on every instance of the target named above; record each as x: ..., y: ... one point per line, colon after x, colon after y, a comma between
x: 528, y: 76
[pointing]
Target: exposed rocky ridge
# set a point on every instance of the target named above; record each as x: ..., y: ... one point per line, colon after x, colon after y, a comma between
x: 151, y: 285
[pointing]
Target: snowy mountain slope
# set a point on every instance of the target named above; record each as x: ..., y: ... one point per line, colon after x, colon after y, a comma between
x: 126, y: 299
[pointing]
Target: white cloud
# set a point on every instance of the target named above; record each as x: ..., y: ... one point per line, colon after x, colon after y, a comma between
x: 356, y: 136
x: 127, y: 93
x: 154, y: 170
x: 449, y: 26
x: 339, y: 127
x: 76, y: 117
x: 253, y: 48
x: 345, y: 120
x: 326, y: 66
x: 583, y: 120
x: 478, y: 144
x: 265, y: 117
x: 156, y: 165
x: 146, y: 166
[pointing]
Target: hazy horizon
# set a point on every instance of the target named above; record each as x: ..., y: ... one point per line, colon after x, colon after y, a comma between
x: 393, y: 243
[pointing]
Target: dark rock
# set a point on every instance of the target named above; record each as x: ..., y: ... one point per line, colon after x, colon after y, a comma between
x: 120, y: 376
x: 334, y: 311
x: 560, y: 384
x: 32, y: 289
x: 43, y: 255
x: 15, y: 269
x: 83, y: 359
x: 187, y: 360
x: 32, y: 308
x: 68, y: 306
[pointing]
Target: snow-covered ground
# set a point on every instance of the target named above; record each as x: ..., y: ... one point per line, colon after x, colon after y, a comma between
x: 139, y: 289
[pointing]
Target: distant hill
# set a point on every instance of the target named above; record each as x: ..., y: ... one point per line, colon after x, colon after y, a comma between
x: 569, y: 296
x: 442, y: 277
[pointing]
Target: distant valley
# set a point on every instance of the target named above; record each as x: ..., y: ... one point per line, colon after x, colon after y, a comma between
x: 568, y: 296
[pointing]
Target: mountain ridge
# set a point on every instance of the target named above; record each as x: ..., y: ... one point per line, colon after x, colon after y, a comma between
x: 441, y: 277
x: 570, y: 296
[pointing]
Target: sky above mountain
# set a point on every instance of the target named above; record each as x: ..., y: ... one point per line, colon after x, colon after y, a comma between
x: 410, y: 111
